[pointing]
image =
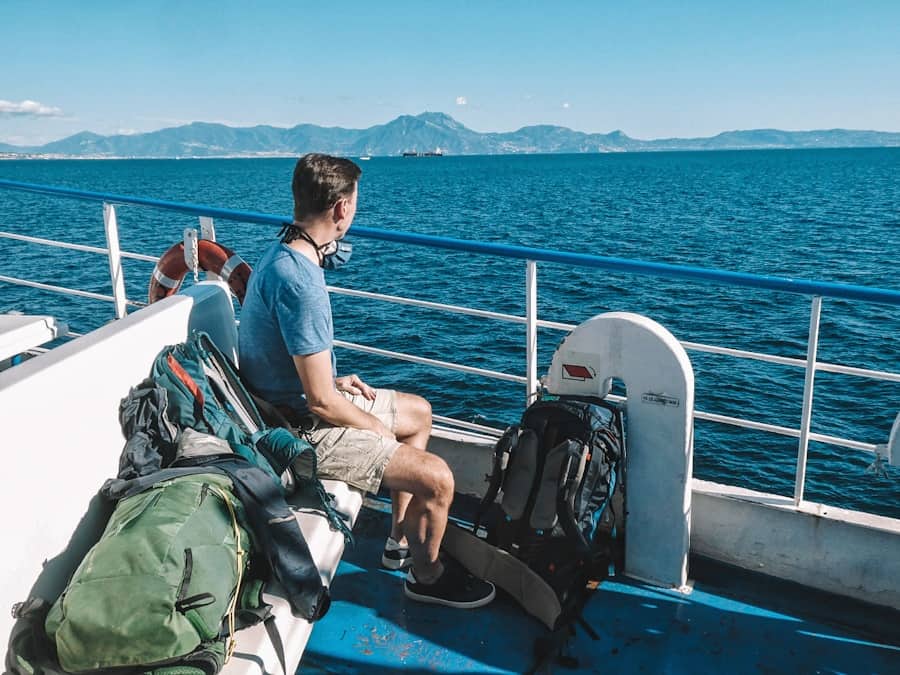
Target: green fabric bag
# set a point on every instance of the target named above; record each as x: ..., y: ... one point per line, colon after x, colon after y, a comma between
x: 162, y: 582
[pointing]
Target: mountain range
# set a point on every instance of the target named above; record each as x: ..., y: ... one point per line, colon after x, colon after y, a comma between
x: 426, y: 132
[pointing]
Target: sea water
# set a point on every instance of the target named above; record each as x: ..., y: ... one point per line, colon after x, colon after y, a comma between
x: 829, y: 215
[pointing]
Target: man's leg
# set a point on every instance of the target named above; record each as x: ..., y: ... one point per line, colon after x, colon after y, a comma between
x: 425, y: 485
x: 429, y: 482
x: 413, y: 427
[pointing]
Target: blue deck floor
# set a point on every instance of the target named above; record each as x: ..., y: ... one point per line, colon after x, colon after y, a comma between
x: 732, y: 622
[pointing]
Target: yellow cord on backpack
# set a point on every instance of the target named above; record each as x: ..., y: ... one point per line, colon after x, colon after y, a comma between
x: 232, y: 606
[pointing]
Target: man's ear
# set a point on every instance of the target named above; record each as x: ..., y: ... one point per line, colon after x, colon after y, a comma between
x: 339, y: 210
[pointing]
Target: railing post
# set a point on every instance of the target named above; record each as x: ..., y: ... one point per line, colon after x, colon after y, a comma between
x: 116, y: 274
x: 531, y: 330
x: 812, y: 349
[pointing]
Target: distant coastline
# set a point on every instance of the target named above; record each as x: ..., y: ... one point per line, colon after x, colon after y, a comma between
x: 419, y: 134
x: 10, y: 157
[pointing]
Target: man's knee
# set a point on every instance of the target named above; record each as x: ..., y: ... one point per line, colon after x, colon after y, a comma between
x: 413, y: 416
x: 443, y: 481
x: 437, y: 480
x: 425, y: 475
x: 415, y: 409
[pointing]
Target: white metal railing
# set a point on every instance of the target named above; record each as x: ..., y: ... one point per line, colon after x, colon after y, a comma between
x: 811, y: 365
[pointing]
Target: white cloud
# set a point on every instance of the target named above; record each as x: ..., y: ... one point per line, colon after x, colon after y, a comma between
x: 461, y: 100
x: 566, y: 105
x: 27, y: 109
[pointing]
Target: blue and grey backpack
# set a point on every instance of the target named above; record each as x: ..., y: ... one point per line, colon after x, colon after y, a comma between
x: 557, y: 473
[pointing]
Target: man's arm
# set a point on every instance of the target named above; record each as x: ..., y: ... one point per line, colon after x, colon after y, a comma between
x: 326, y: 402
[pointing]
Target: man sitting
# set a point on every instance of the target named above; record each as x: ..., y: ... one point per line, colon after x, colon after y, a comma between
x: 363, y: 436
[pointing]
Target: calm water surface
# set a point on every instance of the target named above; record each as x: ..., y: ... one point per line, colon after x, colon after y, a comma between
x: 831, y: 215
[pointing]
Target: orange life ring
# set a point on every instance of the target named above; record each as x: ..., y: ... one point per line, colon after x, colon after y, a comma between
x: 211, y: 256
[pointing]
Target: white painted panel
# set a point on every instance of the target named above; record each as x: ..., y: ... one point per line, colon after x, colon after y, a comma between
x: 660, y: 385
x: 836, y: 550
x: 60, y: 435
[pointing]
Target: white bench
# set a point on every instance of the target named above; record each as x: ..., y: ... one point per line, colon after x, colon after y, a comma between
x: 60, y: 439
x: 21, y: 332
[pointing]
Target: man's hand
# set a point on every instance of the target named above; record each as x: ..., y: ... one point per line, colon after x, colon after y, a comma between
x: 325, y: 400
x: 353, y: 385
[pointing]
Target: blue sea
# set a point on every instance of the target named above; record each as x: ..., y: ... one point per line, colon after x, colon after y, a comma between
x: 830, y: 215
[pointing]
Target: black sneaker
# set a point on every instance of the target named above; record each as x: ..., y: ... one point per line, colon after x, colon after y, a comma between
x: 396, y: 556
x: 454, y: 588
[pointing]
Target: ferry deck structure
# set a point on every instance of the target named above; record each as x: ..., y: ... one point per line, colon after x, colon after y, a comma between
x: 765, y: 582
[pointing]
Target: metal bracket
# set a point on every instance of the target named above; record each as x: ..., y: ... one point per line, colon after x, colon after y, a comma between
x: 887, y: 453
x: 893, y: 444
x: 207, y: 228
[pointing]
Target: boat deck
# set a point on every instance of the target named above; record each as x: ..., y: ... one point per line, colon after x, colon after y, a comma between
x: 733, y: 622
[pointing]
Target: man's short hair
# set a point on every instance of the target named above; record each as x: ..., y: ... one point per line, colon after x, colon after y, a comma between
x: 320, y: 181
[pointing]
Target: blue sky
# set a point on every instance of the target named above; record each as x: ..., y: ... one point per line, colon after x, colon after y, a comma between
x: 651, y: 69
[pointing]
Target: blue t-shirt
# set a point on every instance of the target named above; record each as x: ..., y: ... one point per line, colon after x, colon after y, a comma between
x: 286, y: 312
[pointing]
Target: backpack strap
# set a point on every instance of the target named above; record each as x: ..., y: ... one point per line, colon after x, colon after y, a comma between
x: 504, y: 447
x: 571, y: 471
x: 275, y: 639
x: 30, y: 651
x: 229, y: 372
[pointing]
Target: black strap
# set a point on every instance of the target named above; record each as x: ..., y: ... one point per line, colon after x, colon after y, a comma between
x: 275, y: 639
x: 565, y: 498
x: 587, y: 628
x: 550, y: 648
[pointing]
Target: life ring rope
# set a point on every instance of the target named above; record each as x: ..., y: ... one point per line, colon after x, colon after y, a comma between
x: 211, y: 257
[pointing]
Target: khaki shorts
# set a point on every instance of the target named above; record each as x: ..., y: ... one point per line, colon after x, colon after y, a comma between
x: 356, y: 456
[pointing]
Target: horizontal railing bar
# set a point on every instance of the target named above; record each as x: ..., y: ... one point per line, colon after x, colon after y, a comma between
x: 76, y: 247
x: 746, y: 424
x: 140, y: 256
x: 456, y: 309
x: 766, y: 282
x: 711, y: 417
x: 859, y: 372
x: 784, y: 431
x: 556, y: 325
x: 430, y: 362
x: 843, y: 442
x: 886, y: 376
x: 658, y: 269
x: 723, y: 419
x: 689, y: 346
x: 57, y: 289
x: 54, y: 243
x: 492, y: 431
x: 744, y: 354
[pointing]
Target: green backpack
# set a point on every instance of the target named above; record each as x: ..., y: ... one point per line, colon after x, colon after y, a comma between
x: 176, y: 550
x: 205, y: 393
